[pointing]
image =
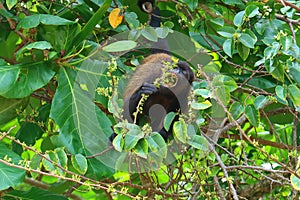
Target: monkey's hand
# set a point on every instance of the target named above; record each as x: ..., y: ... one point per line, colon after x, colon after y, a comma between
x: 147, y: 89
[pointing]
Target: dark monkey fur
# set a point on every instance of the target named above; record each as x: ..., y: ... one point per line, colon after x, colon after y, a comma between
x: 162, y: 98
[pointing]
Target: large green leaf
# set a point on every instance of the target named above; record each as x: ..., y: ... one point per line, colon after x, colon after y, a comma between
x: 34, y: 20
x: 10, y: 176
x: 8, y: 108
x: 18, y: 81
x: 84, y: 128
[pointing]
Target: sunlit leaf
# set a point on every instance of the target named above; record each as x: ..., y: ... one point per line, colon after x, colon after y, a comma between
x: 79, y: 162
x: 260, y: 101
x: 201, y: 106
x: 180, y: 130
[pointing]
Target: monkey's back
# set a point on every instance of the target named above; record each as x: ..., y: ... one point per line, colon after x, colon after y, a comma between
x: 148, y: 71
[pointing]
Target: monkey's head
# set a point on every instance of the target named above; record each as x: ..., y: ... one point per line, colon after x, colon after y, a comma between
x: 178, y: 77
x: 184, y: 69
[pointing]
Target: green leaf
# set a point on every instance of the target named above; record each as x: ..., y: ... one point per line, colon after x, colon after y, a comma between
x: 238, y: 18
x: 141, y: 149
x: 123, y: 45
x: 247, y: 40
x: 79, y: 162
x: 218, y: 21
x: 61, y: 157
x: 34, y: 20
x: 260, y: 101
x: 294, y: 94
x: 132, y: 137
x: 157, y: 144
x: 286, y: 42
x: 118, y: 142
x: 10, y: 176
x: 149, y: 33
x: 223, y: 85
x: 41, y: 45
x: 222, y: 93
x: 162, y: 32
x: 8, y: 108
x: 251, y: 10
x: 115, y: 105
x: 22, y: 80
x: 275, y: 68
x: 134, y: 34
x: 11, y: 3
x: 180, y: 130
x: 228, y: 47
x: 227, y: 31
x: 199, y: 142
x: 243, y: 51
x: 236, y: 109
x: 76, y: 115
x: 252, y: 115
x: 294, y: 71
x: 201, y: 106
x: 281, y: 93
x: 131, y: 19
x: 168, y: 120
x: 205, y: 93
x: 229, y: 82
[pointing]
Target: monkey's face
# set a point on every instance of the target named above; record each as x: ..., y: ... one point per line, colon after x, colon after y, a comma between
x: 178, y: 78
x: 184, y: 69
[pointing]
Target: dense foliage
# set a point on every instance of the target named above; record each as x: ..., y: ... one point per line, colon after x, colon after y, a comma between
x: 63, y: 69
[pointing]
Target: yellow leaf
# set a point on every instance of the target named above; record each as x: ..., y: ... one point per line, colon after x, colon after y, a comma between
x: 115, y: 17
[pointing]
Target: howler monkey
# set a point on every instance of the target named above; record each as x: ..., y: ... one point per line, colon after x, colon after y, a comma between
x: 150, y: 78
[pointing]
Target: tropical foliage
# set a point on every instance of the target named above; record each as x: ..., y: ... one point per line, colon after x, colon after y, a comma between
x: 63, y: 69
